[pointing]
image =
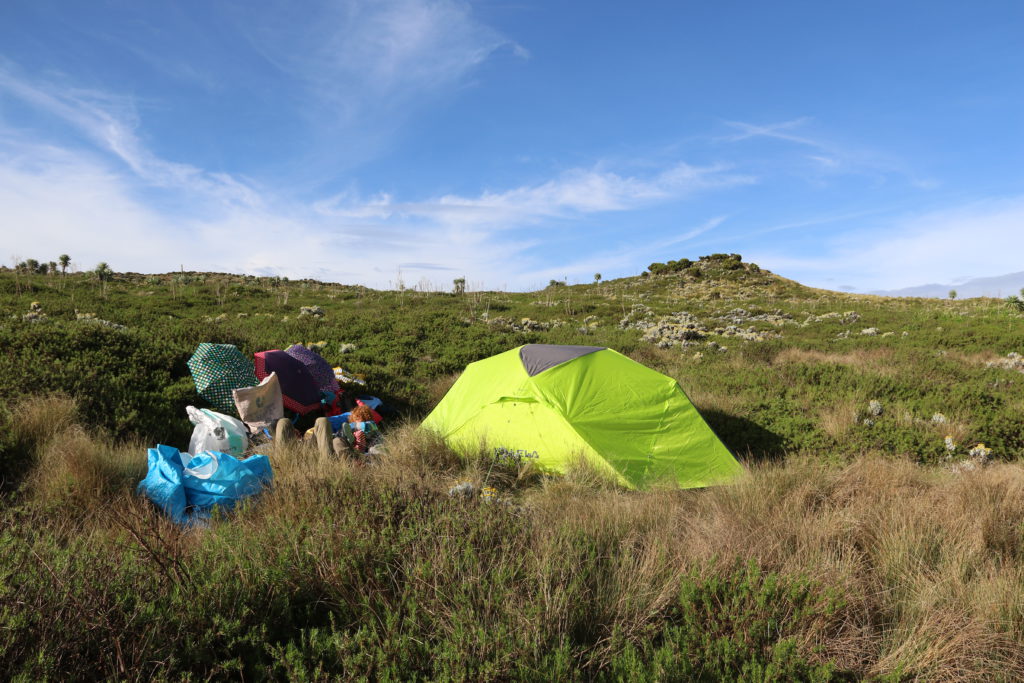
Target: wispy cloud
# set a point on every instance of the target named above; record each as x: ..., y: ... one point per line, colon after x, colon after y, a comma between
x: 826, y: 158
x: 779, y: 131
x: 981, y: 238
x: 811, y: 222
x: 630, y: 258
x: 335, y: 80
x: 110, y: 122
x: 361, y: 55
x: 70, y: 202
x: 577, y: 191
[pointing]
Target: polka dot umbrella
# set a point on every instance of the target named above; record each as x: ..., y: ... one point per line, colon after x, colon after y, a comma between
x: 219, y: 368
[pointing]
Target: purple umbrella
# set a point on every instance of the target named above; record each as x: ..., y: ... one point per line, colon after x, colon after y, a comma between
x: 299, y: 390
x: 320, y: 369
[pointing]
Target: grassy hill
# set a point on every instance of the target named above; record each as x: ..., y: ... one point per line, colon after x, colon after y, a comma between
x: 866, y: 541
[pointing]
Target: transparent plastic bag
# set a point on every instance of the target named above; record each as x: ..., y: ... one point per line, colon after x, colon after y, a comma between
x: 216, y: 432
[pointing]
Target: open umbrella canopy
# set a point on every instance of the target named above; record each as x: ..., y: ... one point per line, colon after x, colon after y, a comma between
x: 299, y: 390
x: 216, y: 370
x: 320, y: 369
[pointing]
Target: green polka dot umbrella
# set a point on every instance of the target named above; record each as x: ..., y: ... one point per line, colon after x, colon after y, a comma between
x: 219, y: 368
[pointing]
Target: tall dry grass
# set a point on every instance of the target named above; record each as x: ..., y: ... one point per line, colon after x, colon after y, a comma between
x: 929, y: 563
x: 926, y: 567
x: 71, y: 465
x: 839, y: 418
x: 877, y: 361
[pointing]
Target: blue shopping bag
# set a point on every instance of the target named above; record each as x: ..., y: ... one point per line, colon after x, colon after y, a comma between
x: 219, y: 479
x: 163, y: 483
x: 189, y: 491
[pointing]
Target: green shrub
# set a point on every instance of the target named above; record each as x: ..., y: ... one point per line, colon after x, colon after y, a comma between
x: 14, y: 458
x: 124, y: 380
x: 737, y: 625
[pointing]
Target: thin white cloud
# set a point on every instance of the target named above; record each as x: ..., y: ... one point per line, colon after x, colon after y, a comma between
x: 362, y: 55
x: 577, y: 191
x: 60, y: 202
x: 397, y: 44
x: 70, y: 202
x: 779, y: 131
x: 828, y: 158
x: 351, y: 71
x: 483, y: 223
x: 630, y: 259
x: 985, y: 238
x: 827, y: 162
x: 814, y: 221
x: 110, y: 122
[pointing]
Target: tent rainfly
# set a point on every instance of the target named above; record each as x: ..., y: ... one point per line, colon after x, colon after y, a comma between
x: 558, y: 403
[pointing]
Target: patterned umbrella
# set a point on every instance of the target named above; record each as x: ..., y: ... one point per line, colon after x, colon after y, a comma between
x: 216, y: 370
x: 298, y: 388
x: 317, y: 366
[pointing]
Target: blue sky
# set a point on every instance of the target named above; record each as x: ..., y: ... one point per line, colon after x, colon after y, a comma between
x: 861, y: 146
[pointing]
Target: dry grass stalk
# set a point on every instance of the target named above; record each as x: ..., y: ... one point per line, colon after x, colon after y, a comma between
x: 840, y: 417
x: 709, y: 400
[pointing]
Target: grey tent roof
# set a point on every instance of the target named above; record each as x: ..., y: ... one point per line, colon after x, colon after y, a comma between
x: 537, y: 358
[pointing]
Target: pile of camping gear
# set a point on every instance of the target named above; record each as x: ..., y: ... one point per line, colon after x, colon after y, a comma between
x: 274, y: 396
x: 548, y: 404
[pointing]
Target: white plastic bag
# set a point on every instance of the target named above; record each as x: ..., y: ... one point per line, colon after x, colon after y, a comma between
x: 216, y: 432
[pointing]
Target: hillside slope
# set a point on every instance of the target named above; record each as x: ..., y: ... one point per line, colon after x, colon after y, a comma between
x: 866, y: 542
x: 775, y: 366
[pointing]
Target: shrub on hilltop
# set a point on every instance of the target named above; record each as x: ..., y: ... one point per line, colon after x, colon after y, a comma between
x: 712, y: 263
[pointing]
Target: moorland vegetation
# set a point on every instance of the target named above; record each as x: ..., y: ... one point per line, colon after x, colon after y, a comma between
x: 879, y: 534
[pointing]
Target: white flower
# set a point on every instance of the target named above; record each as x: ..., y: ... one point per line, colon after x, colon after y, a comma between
x: 980, y: 452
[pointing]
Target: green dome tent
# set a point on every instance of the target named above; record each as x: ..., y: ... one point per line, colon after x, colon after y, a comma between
x: 563, y: 402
